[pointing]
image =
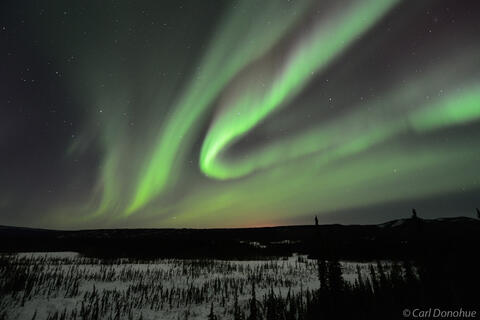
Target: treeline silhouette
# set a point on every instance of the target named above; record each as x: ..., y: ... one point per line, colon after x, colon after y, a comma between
x: 380, y: 295
x: 398, y: 239
x: 264, y: 291
x: 432, y: 264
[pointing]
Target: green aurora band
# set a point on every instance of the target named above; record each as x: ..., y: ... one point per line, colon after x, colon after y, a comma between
x: 326, y: 41
x: 259, y: 60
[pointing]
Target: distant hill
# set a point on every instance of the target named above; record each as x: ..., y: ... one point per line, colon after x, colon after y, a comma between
x: 401, y: 238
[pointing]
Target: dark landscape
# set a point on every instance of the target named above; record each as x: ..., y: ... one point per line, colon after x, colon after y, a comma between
x: 285, y: 272
x: 397, y: 239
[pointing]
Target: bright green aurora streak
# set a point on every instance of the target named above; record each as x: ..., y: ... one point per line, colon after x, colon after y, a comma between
x: 327, y: 40
x: 278, y: 109
x: 242, y: 104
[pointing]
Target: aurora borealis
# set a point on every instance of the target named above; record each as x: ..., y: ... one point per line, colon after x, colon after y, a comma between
x: 237, y: 113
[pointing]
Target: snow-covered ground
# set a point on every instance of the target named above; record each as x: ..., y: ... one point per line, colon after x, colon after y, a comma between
x: 66, y: 285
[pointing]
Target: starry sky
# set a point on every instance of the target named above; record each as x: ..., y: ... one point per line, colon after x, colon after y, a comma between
x: 200, y: 114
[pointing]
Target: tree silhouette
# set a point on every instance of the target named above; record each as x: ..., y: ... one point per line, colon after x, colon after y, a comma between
x: 322, y: 274
x: 237, y: 315
x: 414, y: 213
x: 335, y: 279
x: 253, y: 305
x: 478, y: 213
x: 316, y: 220
x: 212, y: 316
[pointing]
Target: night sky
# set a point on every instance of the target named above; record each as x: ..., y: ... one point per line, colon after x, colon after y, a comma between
x: 237, y: 113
